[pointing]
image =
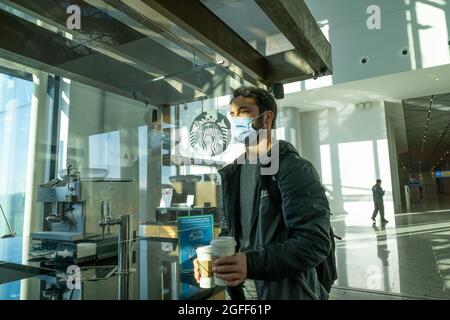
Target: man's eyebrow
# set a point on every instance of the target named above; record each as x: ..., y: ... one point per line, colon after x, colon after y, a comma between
x: 242, y: 108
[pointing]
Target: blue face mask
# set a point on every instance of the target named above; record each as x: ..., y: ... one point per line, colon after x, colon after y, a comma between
x: 243, y: 131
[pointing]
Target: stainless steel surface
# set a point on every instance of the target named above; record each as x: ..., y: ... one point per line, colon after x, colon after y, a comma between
x: 124, y: 244
x: 124, y: 251
x: 105, y: 213
x: 174, y: 280
x: 123, y: 286
x: 107, y: 247
x: 97, y: 281
x: 57, y: 236
x: 64, y: 210
x: 68, y: 224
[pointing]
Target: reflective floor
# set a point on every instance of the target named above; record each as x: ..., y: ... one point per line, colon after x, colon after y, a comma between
x: 409, y: 256
x: 357, y: 294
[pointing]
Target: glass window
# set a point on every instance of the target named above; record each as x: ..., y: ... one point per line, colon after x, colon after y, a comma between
x: 15, y: 107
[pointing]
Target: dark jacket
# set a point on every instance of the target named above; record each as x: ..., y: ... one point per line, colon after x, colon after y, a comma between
x: 286, y: 246
x: 377, y: 193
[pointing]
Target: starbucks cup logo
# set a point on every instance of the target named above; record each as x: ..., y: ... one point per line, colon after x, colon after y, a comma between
x: 205, y: 264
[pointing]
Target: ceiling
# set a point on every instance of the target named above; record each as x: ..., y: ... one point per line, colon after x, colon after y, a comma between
x: 167, y: 51
x: 400, y: 88
x: 394, y: 87
x: 256, y: 29
x: 429, y: 145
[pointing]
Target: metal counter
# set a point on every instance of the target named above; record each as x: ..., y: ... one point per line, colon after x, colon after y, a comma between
x: 154, y: 275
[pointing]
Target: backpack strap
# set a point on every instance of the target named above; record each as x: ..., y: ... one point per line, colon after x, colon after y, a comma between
x: 271, y: 185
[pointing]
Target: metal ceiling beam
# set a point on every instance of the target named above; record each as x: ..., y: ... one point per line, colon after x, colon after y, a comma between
x: 138, y: 16
x: 24, y: 38
x: 287, y: 67
x: 193, y: 17
x: 124, y: 44
x: 49, y: 52
x: 92, y: 24
x: 298, y: 25
x: 311, y: 57
x: 159, y: 28
x: 196, y: 19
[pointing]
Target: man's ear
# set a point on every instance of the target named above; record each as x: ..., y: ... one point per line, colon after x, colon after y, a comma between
x: 268, y: 119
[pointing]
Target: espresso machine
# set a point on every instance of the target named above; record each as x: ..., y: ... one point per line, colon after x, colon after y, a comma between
x: 64, y: 223
x: 64, y: 215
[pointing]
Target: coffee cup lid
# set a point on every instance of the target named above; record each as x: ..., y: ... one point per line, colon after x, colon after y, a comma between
x: 223, y: 242
x: 204, y: 250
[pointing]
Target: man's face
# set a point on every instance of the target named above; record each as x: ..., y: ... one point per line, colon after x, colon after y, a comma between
x: 244, y: 107
x: 379, y: 183
x: 247, y: 108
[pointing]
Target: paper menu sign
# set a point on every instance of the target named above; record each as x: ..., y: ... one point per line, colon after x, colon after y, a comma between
x: 190, y: 200
x: 166, y: 198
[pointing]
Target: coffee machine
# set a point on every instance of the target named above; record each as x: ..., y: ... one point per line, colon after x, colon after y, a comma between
x: 64, y: 223
x: 64, y: 210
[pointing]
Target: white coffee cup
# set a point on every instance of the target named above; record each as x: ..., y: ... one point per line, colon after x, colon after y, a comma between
x: 223, y: 247
x: 205, y: 264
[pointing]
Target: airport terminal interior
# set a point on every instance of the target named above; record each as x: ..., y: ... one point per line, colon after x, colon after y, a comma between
x: 115, y: 118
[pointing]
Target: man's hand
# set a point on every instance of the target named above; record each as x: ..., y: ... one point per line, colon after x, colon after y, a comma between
x: 196, y: 271
x: 231, y: 269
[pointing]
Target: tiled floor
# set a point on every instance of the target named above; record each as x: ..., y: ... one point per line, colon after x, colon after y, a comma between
x: 409, y: 256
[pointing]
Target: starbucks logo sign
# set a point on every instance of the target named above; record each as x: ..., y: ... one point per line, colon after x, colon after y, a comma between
x: 210, y: 134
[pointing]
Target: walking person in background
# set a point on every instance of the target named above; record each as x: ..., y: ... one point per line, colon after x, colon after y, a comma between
x: 378, y: 194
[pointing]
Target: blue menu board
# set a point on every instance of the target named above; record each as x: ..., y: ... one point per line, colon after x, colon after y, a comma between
x: 193, y: 232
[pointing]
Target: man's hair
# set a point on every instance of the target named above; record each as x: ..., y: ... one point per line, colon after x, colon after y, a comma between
x: 264, y: 100
x: 378, y: 180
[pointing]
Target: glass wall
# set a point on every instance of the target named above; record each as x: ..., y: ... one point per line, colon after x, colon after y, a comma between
x: 107, y: 138
x: 15, y: 106
x: 118, y: 116
x: 200, y: 144
x: 123, y: 150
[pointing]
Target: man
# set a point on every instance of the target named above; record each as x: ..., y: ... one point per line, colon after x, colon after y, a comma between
x: 378, y: 194
x: 278, y: 249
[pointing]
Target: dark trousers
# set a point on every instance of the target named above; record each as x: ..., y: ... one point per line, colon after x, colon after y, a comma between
x: 379, y: 206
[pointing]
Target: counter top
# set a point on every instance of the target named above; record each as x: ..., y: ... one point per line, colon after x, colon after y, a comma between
x: 154, y: 276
